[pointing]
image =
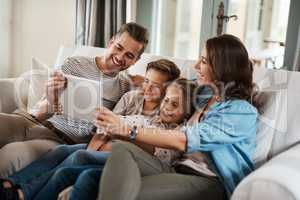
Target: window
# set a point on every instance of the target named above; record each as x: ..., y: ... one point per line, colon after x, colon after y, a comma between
x: 262, y: 26
x: 174, y: 26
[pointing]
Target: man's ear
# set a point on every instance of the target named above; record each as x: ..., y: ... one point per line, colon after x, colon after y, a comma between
x: 111, y: 41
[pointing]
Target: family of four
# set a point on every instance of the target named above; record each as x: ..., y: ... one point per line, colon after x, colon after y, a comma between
x: 171, y: 138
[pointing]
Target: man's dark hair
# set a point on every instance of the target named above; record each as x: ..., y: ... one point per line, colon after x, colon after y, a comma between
x: 165, y: 66
x: 137, y: 32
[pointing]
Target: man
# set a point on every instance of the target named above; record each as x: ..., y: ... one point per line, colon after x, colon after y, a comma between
x: 26, y: 136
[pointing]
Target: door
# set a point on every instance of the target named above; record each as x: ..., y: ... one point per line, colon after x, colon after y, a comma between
x: 261, y: 25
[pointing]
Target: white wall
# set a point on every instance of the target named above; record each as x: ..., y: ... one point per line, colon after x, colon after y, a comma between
x: 39, y: 27
x: 5, y: 37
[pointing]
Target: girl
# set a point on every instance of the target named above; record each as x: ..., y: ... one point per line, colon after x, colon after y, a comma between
x: 221, y: 137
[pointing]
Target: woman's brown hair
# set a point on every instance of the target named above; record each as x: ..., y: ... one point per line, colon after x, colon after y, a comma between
x: 232, y: 69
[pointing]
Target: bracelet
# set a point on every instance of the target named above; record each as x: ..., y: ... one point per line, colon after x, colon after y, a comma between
x: 133, y: 133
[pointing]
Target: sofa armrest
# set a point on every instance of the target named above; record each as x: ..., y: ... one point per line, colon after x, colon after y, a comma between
x: 13, y: 94
x: 277, y: 179
x: 7, y: 95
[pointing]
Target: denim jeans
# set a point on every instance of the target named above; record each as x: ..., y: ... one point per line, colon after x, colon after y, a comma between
x: 41, y: 177
x: 67, y: 176
x: 87, y: 184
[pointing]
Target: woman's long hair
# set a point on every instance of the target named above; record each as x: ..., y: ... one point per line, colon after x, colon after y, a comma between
x: 232, y: 69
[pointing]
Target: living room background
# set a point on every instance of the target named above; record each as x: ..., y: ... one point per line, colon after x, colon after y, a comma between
x: 33, y: 28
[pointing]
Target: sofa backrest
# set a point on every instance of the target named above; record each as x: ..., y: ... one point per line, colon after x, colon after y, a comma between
x: 278, y: 126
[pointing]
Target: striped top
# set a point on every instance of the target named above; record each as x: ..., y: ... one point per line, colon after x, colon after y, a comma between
x: 113, y: 89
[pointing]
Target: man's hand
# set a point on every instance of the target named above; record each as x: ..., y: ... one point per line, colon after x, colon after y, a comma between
x: 137, y: 80
x: 46, y: 111
x: 55, y: 85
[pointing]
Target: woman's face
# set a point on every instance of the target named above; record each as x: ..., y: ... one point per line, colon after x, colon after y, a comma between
x: 203, y: 69
x: 154, y: 85
x: 172, y: 106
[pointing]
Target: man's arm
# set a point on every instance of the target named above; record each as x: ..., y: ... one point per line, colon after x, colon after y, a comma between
x: 47, y: 107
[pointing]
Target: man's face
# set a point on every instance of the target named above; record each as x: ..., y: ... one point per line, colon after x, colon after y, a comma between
x: 122, y: 52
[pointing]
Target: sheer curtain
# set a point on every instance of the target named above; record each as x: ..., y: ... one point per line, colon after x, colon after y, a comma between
x: 98, y: 20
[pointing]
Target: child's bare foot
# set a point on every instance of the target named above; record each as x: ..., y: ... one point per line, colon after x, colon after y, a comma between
x: 20, y: 194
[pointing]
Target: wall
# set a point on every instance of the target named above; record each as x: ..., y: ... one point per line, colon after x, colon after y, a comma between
x: 39, y: 28
x: 5, y: 37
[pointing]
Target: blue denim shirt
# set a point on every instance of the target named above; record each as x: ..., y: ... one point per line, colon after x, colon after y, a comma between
x: 227, y: 134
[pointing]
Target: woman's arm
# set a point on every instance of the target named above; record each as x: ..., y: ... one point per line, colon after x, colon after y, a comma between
x: 145, y: 146
x: 171, y: 139
x: 115, y: 119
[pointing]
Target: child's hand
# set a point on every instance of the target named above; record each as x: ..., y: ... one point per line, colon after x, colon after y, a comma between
x: 110, y: 122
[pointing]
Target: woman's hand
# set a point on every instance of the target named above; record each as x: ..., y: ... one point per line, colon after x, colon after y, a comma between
x: 110, y: 122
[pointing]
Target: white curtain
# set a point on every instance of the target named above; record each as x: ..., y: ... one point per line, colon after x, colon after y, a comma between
x: 98, y: 20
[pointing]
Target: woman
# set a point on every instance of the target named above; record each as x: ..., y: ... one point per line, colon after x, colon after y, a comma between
x: 221, y: 136
x: 24, y: 185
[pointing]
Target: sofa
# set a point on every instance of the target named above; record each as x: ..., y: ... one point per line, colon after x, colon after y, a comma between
x: 277, y: 156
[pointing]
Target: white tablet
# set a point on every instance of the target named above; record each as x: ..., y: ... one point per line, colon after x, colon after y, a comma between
x: 81, y: 97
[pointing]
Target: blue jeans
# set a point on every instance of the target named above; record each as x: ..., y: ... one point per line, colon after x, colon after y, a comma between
x: 40, y: 177
x: 65, y: 177
x: 87, y: 184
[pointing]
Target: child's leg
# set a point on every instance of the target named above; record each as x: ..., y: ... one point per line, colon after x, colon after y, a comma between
x: 87, y: 185
x: 61, y: 179
x: 46, y: 163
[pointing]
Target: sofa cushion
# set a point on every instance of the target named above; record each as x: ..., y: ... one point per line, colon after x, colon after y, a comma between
x: 278, y: 179
x: 7, y: 98
x: 38, y: 78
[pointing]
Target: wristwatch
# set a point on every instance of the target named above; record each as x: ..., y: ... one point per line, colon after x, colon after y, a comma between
x: 133, y: 133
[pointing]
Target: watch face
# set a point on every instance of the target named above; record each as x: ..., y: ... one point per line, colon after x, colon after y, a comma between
x: 133, y: 133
